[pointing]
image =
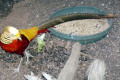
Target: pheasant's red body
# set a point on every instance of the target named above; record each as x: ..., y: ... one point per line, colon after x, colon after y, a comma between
x: 18, y: 46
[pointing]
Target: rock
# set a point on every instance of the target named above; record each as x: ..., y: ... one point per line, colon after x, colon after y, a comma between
x: 68, y: 45
x: 5, y: 7
x: 59, y: 42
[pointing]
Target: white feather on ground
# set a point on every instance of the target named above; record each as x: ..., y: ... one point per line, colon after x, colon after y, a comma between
x: 96, y: 70
x: 32, y: 77
x: 48, y: 76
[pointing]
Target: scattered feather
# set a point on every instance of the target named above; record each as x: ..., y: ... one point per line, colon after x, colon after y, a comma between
x: 96, y: 70
x: 32, y: 77
x: 48, y: 76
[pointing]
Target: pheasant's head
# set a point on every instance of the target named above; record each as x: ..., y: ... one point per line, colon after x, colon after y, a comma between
x: 10, y: 33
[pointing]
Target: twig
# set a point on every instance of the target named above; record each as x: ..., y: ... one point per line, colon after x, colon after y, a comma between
x: 71, y: 65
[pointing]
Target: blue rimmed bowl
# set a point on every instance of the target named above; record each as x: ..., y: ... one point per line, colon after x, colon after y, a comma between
x: 82, y: 39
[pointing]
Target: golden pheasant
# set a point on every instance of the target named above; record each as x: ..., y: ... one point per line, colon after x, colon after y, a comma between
x: 15, y: 41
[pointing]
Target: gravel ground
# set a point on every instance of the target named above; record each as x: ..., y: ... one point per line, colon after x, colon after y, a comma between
x: 55, y: 53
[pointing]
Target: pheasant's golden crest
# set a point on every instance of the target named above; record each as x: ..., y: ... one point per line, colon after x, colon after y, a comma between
x: 6, y: 38
x: 10, y: 33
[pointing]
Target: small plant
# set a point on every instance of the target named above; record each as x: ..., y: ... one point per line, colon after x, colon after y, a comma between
x: 40, y: 42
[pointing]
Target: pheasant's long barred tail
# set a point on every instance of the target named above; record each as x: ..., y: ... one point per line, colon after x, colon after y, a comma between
x: 70, y: 17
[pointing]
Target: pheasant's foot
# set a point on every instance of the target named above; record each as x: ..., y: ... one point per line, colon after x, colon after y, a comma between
x: 17, y: 70
x: 27, y: 56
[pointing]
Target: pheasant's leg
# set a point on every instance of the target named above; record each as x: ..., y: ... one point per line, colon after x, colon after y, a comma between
x: 27, y: 56
x: 18, y: 69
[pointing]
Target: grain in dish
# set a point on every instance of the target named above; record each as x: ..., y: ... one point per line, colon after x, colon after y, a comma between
x: 83, y: 27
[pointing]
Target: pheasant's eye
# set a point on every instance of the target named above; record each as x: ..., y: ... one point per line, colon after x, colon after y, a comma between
x: 18, y: 35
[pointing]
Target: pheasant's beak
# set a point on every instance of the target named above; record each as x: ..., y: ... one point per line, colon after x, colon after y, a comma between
x: 19, y: 37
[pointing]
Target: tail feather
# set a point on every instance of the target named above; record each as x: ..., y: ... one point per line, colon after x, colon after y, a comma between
x: 44, y: 30
x: 107, y: 16
x: 110, y: 16
x: 96, y: 70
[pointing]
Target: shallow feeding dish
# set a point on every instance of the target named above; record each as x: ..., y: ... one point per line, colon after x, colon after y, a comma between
x: 83, y: 39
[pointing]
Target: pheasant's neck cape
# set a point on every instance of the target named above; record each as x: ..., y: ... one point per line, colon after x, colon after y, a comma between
x: 30, y: 33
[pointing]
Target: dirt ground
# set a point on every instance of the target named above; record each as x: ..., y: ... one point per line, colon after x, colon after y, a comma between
x: 51, y: 59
